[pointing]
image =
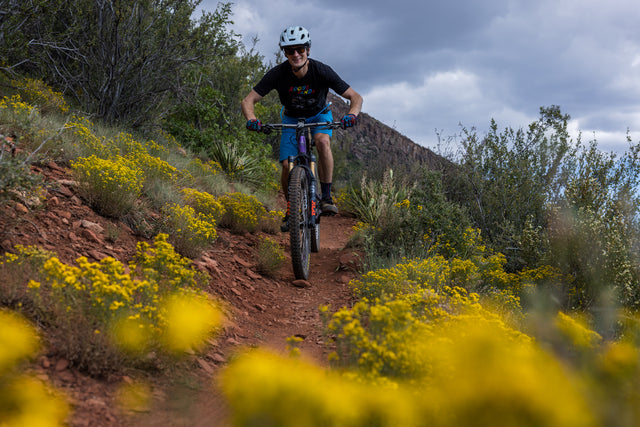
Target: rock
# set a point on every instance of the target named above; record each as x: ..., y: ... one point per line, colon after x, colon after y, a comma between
x: 65, y: 191
x: 21, y: 209
x: 301, y: 283
x: 61, y: 365
x: 204, y: 365
x: 344, y: 279
x: 253, y: 275
x: 90, y: 235
x: 97, y: 255
x: 63, y: 213
x: 260, y: 307
x: 53, y: 165
x: 93, y: 226
x: 217, y: 357
x: 210, y: 264
x: 44, y: 362
x: 54, y: 201
x: 242, y: 262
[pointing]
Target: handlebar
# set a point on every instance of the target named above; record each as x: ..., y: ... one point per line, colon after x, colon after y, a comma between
x: 269, y: 127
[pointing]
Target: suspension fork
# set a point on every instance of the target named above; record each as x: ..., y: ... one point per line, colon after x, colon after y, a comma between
x: 315, y: 215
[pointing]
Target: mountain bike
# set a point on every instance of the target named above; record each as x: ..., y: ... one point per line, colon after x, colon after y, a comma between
x: 304, y: 198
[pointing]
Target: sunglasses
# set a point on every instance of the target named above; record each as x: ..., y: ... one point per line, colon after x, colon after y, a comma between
x: 291, y: 50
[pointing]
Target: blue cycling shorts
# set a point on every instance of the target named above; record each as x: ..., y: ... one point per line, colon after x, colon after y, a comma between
x: 288, y: 143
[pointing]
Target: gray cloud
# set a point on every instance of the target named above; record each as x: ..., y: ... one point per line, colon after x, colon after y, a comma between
x: 432, y: 65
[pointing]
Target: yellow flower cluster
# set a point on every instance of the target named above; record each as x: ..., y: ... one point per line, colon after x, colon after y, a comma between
x: 266, y: 389
x: 16, y: 111
x: 209, y: 167
x: 85, y: 142
x: 190, y: 232
x: 468, y: 369
x: 136, y: 307
x: 204, y: 203
x: 110, y: 186
x: 24, y: 400
x: 40, y: 94
x: 145, y: 157
x: 242, y: 212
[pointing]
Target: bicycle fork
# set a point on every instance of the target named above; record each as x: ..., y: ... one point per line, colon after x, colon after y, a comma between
x: 315, y: 215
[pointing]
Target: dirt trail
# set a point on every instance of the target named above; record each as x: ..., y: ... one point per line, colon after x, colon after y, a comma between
x: 263, y: 311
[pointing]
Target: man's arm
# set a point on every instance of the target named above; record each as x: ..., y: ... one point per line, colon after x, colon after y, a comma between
x: 248, y: 104
x: 355, y: 100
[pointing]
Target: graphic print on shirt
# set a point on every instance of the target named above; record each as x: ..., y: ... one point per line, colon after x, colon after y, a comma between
x: 302, y: 96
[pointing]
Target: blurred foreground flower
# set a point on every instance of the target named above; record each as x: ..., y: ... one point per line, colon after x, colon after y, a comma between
x: 24, y: 401
x: 190, y: 320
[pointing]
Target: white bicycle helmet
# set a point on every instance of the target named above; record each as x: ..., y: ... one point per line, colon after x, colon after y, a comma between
x: 295, y: 36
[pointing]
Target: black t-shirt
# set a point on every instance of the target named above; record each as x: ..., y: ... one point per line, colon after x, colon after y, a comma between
x: 303, y: 97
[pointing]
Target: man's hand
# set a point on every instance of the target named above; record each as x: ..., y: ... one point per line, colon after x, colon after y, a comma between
x: 349, y: 120
x: 254, y: 124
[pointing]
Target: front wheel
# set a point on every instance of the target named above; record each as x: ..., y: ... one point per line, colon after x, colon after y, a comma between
x: 299, y: 232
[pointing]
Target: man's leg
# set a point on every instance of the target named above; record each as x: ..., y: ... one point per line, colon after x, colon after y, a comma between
x: 284, y: 178
x: 325, y: 172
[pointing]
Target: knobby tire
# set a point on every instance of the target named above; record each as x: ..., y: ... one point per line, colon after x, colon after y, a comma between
x: 299, y: 232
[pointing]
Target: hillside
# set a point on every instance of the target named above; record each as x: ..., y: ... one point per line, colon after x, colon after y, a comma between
x: 372, y: 142
x: 262, y: 311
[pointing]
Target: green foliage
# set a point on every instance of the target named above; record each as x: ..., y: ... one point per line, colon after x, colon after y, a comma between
x: 595, y: 232
x: 372, y: 199
x: 269, y: 257
x: 405, y: 220
x: 541, y: 198
x: 251, y: 167
x: 123, y: 61
x: 16, y: 179
x: 506, y: 179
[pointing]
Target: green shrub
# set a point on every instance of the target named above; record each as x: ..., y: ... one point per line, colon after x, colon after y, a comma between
x: 111, y: 187
x: 37, y: 93
x: 269, y: 257
x: 242, y: 212
x: 190, y: 232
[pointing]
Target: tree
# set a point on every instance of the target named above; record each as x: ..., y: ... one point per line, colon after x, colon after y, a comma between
x: 123, y: 61
x: 505, y: 180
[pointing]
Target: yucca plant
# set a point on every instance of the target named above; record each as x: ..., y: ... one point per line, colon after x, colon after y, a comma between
x: 237, y: 164
x: 372, y: 199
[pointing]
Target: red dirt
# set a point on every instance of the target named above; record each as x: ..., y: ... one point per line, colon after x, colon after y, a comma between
x: 263, y: 311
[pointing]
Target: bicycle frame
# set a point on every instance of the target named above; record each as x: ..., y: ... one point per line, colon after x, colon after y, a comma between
x: 305, y: 157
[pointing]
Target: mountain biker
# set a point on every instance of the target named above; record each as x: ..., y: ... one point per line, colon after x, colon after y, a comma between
x: 302, y: 84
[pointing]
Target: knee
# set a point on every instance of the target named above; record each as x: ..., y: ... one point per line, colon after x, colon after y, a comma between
x: 323, y: 143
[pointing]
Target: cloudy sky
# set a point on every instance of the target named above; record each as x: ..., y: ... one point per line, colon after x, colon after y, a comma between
x: 425, y: 67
